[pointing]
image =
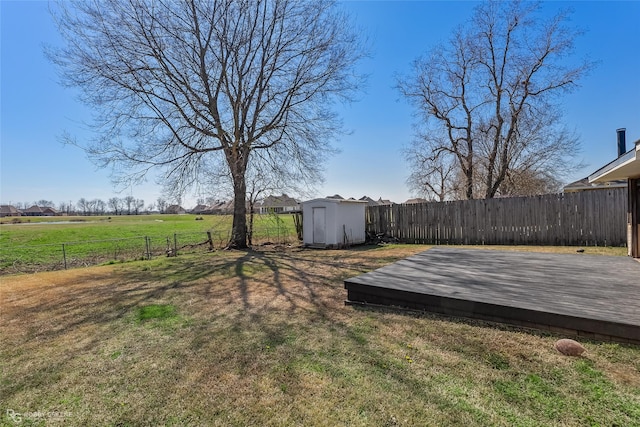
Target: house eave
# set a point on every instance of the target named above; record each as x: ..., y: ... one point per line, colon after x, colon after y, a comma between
x: 624, y: 167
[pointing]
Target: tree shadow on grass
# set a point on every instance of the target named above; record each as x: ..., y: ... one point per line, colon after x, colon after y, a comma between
x: 272, y: 299
x: 104, y: 295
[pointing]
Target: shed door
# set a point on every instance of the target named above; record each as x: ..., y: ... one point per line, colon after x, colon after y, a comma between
x: 319, y: 226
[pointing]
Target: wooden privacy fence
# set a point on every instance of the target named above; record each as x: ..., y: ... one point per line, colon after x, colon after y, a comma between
x: 587, y: 218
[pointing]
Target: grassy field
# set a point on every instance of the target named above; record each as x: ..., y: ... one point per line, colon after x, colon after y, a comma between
x: 55, y: 230
x: 264, y: 338
x: 35, y: 244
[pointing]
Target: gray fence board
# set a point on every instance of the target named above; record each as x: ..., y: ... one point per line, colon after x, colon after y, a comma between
x: 588, y: 218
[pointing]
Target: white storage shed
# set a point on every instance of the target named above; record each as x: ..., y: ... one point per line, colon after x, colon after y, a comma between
x: 333, y: 222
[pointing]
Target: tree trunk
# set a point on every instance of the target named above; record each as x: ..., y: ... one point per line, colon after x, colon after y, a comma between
x: 239, y: 227
x: 469, y: 174
x: 469, y: 184
x: 250, y: 230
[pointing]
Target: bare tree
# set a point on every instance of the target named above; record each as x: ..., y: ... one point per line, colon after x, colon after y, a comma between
x: 99, y: 206
x: 138, y: 205
x: 488, y: 97
x: 529, y: 183
x: 432, y: 176
x: 84, y: 206
x: 128, y: 203
x: 115, y: 204
x: 178, y: 84
x: 162, y: 204
x: 45, y: 203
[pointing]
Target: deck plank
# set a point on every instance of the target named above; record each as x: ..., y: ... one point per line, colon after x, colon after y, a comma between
x: 588, y: 294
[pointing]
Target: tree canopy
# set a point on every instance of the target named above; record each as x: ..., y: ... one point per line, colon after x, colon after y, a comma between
x: 181, y: 85
x: 487, y: 104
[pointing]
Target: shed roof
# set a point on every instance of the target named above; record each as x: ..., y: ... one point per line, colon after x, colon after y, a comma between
x: 332, y: 200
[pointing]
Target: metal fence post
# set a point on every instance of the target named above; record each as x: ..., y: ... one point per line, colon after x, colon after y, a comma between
x: 147, y: 245
x: 64, y: 256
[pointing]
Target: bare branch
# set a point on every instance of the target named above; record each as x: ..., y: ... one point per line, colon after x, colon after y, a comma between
x: 487, y: 97
x: 179, y: 85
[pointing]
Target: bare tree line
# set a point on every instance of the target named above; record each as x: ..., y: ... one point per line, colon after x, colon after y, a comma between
x: 127, y: 205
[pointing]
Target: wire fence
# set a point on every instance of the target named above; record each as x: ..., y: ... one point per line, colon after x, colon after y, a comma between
x: 66, y: 255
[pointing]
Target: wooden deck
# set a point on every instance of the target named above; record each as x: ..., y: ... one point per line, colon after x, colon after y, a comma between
x: 595, y: 297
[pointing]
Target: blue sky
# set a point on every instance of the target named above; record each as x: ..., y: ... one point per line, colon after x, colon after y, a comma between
x: 36, y: 110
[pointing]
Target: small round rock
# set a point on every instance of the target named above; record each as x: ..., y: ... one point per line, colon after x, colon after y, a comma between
x: 569, y: 347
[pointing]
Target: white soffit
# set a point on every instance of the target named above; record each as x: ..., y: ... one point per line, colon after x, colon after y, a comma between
x: 624, y: 167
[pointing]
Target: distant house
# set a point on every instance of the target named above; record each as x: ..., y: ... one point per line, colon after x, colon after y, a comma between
x: 584, y: 185
x: 175, y: 210
x: 49, y: 211
x: 278, y: 204
x: 369, y: 200
x: 200, y: 209
x: 41, y: 211
x: 219, y: 207
x: 225, y: 207
x: 379, y: 202
x: 8, y: 210
x: 33, y: 211
x: 415, y: 201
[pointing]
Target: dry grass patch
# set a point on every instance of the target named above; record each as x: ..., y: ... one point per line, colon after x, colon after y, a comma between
x: 263, y: 338
x: 590, y: 250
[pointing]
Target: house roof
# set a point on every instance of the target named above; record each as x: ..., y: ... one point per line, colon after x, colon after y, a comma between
x: 584, y: 185
x: 379, y: 202
x: 415, y: 201
x: 175, y: 208
x: 283, y: 200
x: 369, y: 201
x: 200, y: 209
x: 624, y: 167
x: 33, y: 209
x: 8, y: 209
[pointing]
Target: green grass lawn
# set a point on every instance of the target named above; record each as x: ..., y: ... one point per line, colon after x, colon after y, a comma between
x: 36, y: 244
x: 40, y: 230
x: 237, y: 338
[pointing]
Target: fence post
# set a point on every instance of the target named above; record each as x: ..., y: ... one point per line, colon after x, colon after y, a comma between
x: 210, y: 240
x: 64, y: 256
x: 175, y: 244
x: 148, y: 247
